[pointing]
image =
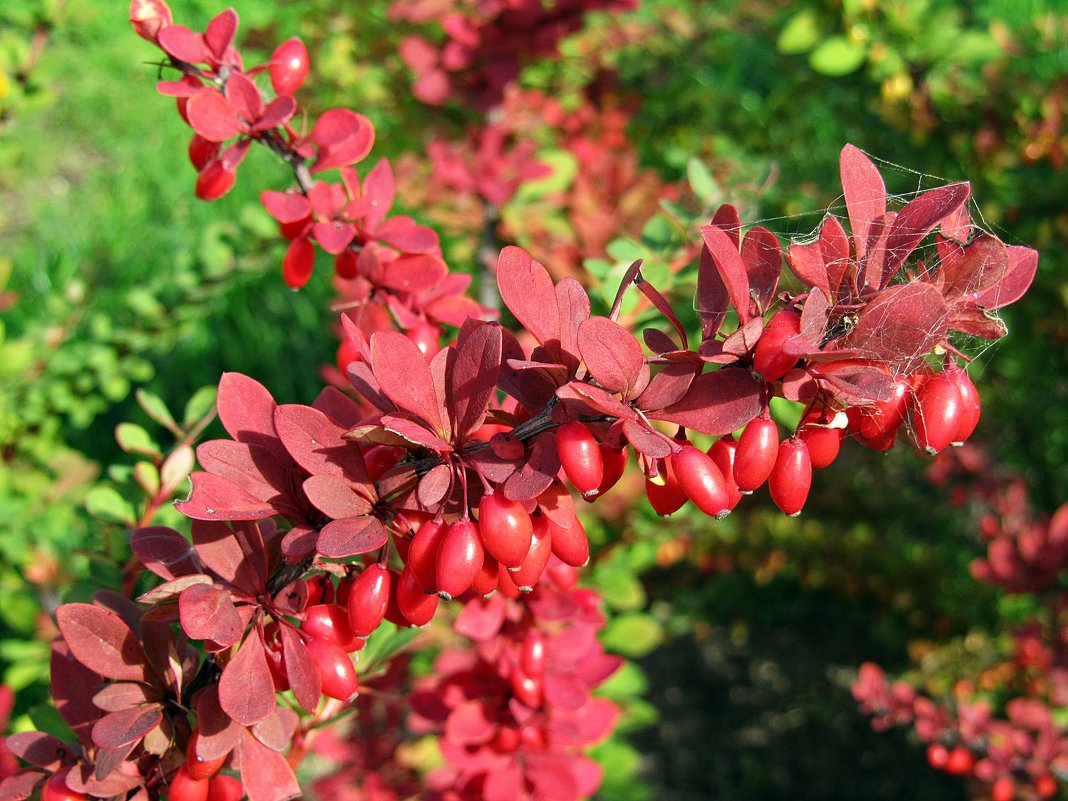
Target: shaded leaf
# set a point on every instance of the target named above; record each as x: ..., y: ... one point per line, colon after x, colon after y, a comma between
x: 164, y: 551
x: 716, y: 403
x: 472, y: 376
x: 355, y: 535
x: 118, y: 729
x: 611, y: 353
x: 731, y: 269
x: 207, y: 613
x: 246, y: 691
x: 265, y: 774
x: 101, y: 641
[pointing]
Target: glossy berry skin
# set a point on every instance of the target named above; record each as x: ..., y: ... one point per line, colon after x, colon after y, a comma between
x: 664, y: 493
x: 723, y: 452
x: 534, y: 655
x: 1045, y: 786
x: 880, y: 422
x: 460, y: 557
x: 971, y: 407
x: 937, y: 756
x: 214, y: 181
x: 506, y: 529
x: 959, y: 761
x: 1003, y: 790
x: 758, y: 448
x: 537, y: 557
x: 823, y: 443
x: 615, y: 462
x: 571, y: 545
x: 330, y: 622
x: 184, y: 787
x: 225, y: 788
x: 580, y: 457
x: 289, y: 66
x: 769, y: 360
x: 55, y: 789
x: 527, y: 689
x: 427, y: 337
x: 335, y: 669
x: 791, y: 478
x: 200, y: 768
x: 423, y: 553
x: 368, y: 599
x: 937, y: 412
x: 702, y: 481
x: 485, y: 583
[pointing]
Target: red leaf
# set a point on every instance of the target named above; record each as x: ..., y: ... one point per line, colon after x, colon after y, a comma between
x: 668, y: 386
x: 434, y: 485
x: 728, y: 263
x: 344, y: 138
x: 856, y: 385
x: 207, y: 613
x: 246, y: 691
x: 573, y: 306
x: 212, y: 116
x: 236, y: 555
x: 405, y: 377
x: 351, y: 536
x: 183, y: 44
x: 265, y: 774
x: 552, y: 779
x: 977, y: 266
x: 164, y: 551
x: 39, y: 749
x: 19, y: 786
x: 298, y: 264
x: 901, y: 323
x: 580, y: 398
x: 378, y: 193
x: 102, y: 642
x: 834, y: 245
x: 124, y: 695
x: 611, y: 353
x: 537, y: 473
x: 314, y: 441
x: 220, y: 33
x: 339, y: 407
x: 469, y: 724
x: 651, y: 443
x: 917, y: 219
x: 252, y: 468
x: 414, y: 273
x: 333, y: 235
x: 335, y: 497
x: 527, y: 291
x: 215, y: 498
x: 503, y: 783
x: 218, y: 733
x: 118, y: 729
x: 412, y: 432
x: 276, y: 732
x: 303, y: 678
x: 762, y: 257
x: 73, y: 686
x: 402, y: 233
x: 865, y: 195
x: 244, y: 97
x: 481, y: 618
x: 717, y: 403
x: 278, y: 112
x: 246, y: 410
x: 1023, y: 263
x: 565, y: 691
x: 472, y: 376
x: 806, y: 262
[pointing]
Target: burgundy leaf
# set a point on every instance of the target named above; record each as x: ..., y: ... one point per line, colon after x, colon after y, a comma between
x: 917, y: 219
x: 405, y: 377
x: 865, y: 195
x: 504, y: 782
x: 1023, y: 263
x: 901, y: 323
x: 527, y: 291
x: 834, y: 245
x: 265, y: 774
x: 335, y: 497
x: 215, y: 498
x: 728, y: 219
x: 218, y: 733
x: 118, y: 729
x: 565, y: 691
x: 668, y: 386
x: 743, y: 340
x: 212, y: 116
x: 39, y: 749
x: 472, y: 376
x: 246, y: 410
x: 220, y: 33
x: 411, y: 433
x: 977, y: 266
x: 73, y: 686
x: 507, y: 446
x: 712, y: 298
x: 208, y: 613
x: 164, y: 551
x: 553, y: 781
x: 101, y: 641
x: 968, y: 318
x: 252, y: 468
x: 582, y: 398
x: 573, y: 306
x: 806, y: 262
x: 21, y: 785
x: 314, y: 441
x: 246, y: 691
x: 814, y: 319
x: 170, y: 590
x: 339, y: 407
x: 537, y: 473
x: 303, y: 678
x: 277, y: 731
x: 857, y: 385
x: 762, y: 257
x: 124, y: 694
x: 717, y: 403
x: 728, y: 263
x: 611, y: 353
x: 351, y: 536
x: 434, y: 485
x: 651, y: 443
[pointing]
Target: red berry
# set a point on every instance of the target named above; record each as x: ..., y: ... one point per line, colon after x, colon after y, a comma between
x: 937, y: 756
x: 56, y: 789
x: 1046, y: 786
x: 368, y: 599
x: 571, y: 545
x: 200, y: 768
x: 823, y: 443
x: 460, y: 557
x: 791, y: 477
x: 757, y: 449
x: 183, y: 788
x: 580, y: 456
x: 702, y: 481
x: 423, y: 553
x: 563, y: 576
x: 225, y: 788
x: 769, y: 358
x: 427, y: 337
x: 201, y: 151
x: 413, y: 602
x: 664, y: 493
x: 485, y: 583
x: 959, y: 761
x: 723, y: 452
x: 335, y: 669
x: 527, y: 689
x: 505, y: 527
x: 937, y: 412
x: 537, y: 556
x: 534, y: 655
x: 380, y: 459
x: 882, y: 420
x: 214, y: 181
x: 971, y: 408
x: 289, y: 66
x: 615, y: 462
x: 346, y: 355
x: 346, y: 264
x: 330, y: 622
x: 1003, y: 790
x: 505, y: 584
x: 298, y: 263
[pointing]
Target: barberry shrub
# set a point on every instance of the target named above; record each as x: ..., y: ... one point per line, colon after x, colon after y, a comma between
x: 441, y: 474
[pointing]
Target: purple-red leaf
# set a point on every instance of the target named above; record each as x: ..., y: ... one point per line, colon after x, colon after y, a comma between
x: 472, y: 376
x: 435, y: 485
x: 39, y: 749
x: 335, y: 497
x: 537, y: 473
x: 265, y: 774
x: 212, y: 116
x: 917, y: 219
x: 668, y: 386
x: 164, y: 551
x: 246, y: 410
x: 117, y: 729
x: 102, y: 642
x: 405, y: 377
x: 236, y: 555
x: 314, y: 441
x: 762, y: 257
x: 246, y: 691
x: 806, y: 262
x: 974, y: 267
x: 1022, y: 265
x: 303, y: 678
x: 207, y: 613
x: 611, y: 353
x: 573, y: 306
x: 351, y: 536
x: 901, y: 323
x: 865, y: 195
x: 527, y: 291
x: 218, y: 733
x: 716, y: 403
x: 215, y: 498
x: 252, y: 468
x: 73, y: 686
x: 728, y: 263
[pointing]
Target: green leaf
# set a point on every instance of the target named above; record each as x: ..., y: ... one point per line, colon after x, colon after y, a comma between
x: 701, y: 181
x: 564, y: 166
x: 626, y: 683
x: 384, y: 643
x: 134, y: 439
x: 620, y: 588
x: 199, y: 405
x: 800, y: 34
x: 634, y: 635
x: 625, y: 250
x: 45, y: 718
x: 838, y: 56
x: 105, y: 503
x: 658, y: 233
x: 156, y: 409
